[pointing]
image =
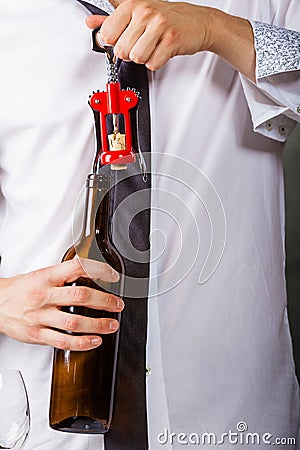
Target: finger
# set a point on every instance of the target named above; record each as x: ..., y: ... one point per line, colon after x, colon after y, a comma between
x: 78, y: 324
x: 95, y: 21
x: 71, y: 270
x: 145, y: 45
x: 64, y: 341
x: 85, y: 296
x: 115, y: 25
x: 127, y: 40
x: 98, y: 271
x: 159, y: 57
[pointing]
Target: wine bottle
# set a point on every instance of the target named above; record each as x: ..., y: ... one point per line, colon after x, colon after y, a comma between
x: 83, y: 383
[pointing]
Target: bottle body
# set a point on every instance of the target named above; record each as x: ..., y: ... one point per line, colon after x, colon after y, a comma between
x: 82, y: 392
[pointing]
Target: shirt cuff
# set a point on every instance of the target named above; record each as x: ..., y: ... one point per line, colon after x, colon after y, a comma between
x: 277, y: 49
x: 272, y: 115
x: 278, y: 128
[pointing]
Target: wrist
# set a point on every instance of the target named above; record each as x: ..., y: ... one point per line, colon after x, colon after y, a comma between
x: 232, y: 39
x: 214, y: 18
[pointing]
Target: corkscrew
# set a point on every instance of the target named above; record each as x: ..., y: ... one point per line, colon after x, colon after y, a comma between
x: 114, y: 108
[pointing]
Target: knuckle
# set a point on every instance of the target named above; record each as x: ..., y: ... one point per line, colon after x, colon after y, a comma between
x: 102, y: 326
x: 160, y: 20
x: 98, y: 326
x: 80, y: 294
x: 62, y: 343
x: 129, y: 3
x: 71, y: 323
x: 110, y: 301
x: 34, y: 333
x: 77, y: 268
x: 37, y: 296
x: 36, y: 275
x: 31, y: 316
x: 170, y: 37
x: 146, y: 12
x: 81, y: 343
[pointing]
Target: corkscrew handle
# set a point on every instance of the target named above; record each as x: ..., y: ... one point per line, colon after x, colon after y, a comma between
x: 117, y: 149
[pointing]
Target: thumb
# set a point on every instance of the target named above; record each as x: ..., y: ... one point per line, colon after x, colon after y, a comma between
x: 69, y: 271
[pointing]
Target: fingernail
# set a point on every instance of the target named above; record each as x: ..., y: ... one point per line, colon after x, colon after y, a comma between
x: 120, y: 303
x: 113, y: 326
x: 115, y: 275
x: 96, y: 341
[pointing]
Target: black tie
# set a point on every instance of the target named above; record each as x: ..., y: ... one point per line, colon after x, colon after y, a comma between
x: 129, y: 425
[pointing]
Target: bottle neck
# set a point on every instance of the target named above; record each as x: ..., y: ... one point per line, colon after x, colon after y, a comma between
x: 97, y: 207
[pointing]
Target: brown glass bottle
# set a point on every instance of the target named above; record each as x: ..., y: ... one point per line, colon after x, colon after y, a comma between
x: 83, y: 383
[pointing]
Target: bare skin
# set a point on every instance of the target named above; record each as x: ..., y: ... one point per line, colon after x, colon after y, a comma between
x: 151, y: 32
x: 30, y: 306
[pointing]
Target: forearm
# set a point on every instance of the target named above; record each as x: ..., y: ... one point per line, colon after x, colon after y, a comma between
x: 152, y: 31
x: 232, y: 39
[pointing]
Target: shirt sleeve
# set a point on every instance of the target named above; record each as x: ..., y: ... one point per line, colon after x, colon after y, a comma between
x: 274, y: 100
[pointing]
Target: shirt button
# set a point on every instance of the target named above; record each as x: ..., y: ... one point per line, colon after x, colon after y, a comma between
x: 148, y: 371
x: 281, y: 129
x: 269, y: 125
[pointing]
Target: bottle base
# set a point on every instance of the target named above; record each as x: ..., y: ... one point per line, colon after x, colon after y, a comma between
x: 82, y: 425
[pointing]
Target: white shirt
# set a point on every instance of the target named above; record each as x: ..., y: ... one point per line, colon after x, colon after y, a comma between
x: 220, y: 349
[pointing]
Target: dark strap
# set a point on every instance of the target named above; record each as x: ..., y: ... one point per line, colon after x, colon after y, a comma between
x: 93, y: 9
x: 129, y: 425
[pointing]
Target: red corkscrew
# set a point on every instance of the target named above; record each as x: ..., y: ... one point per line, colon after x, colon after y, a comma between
x: 113, y: 106
x: 117, y: 148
